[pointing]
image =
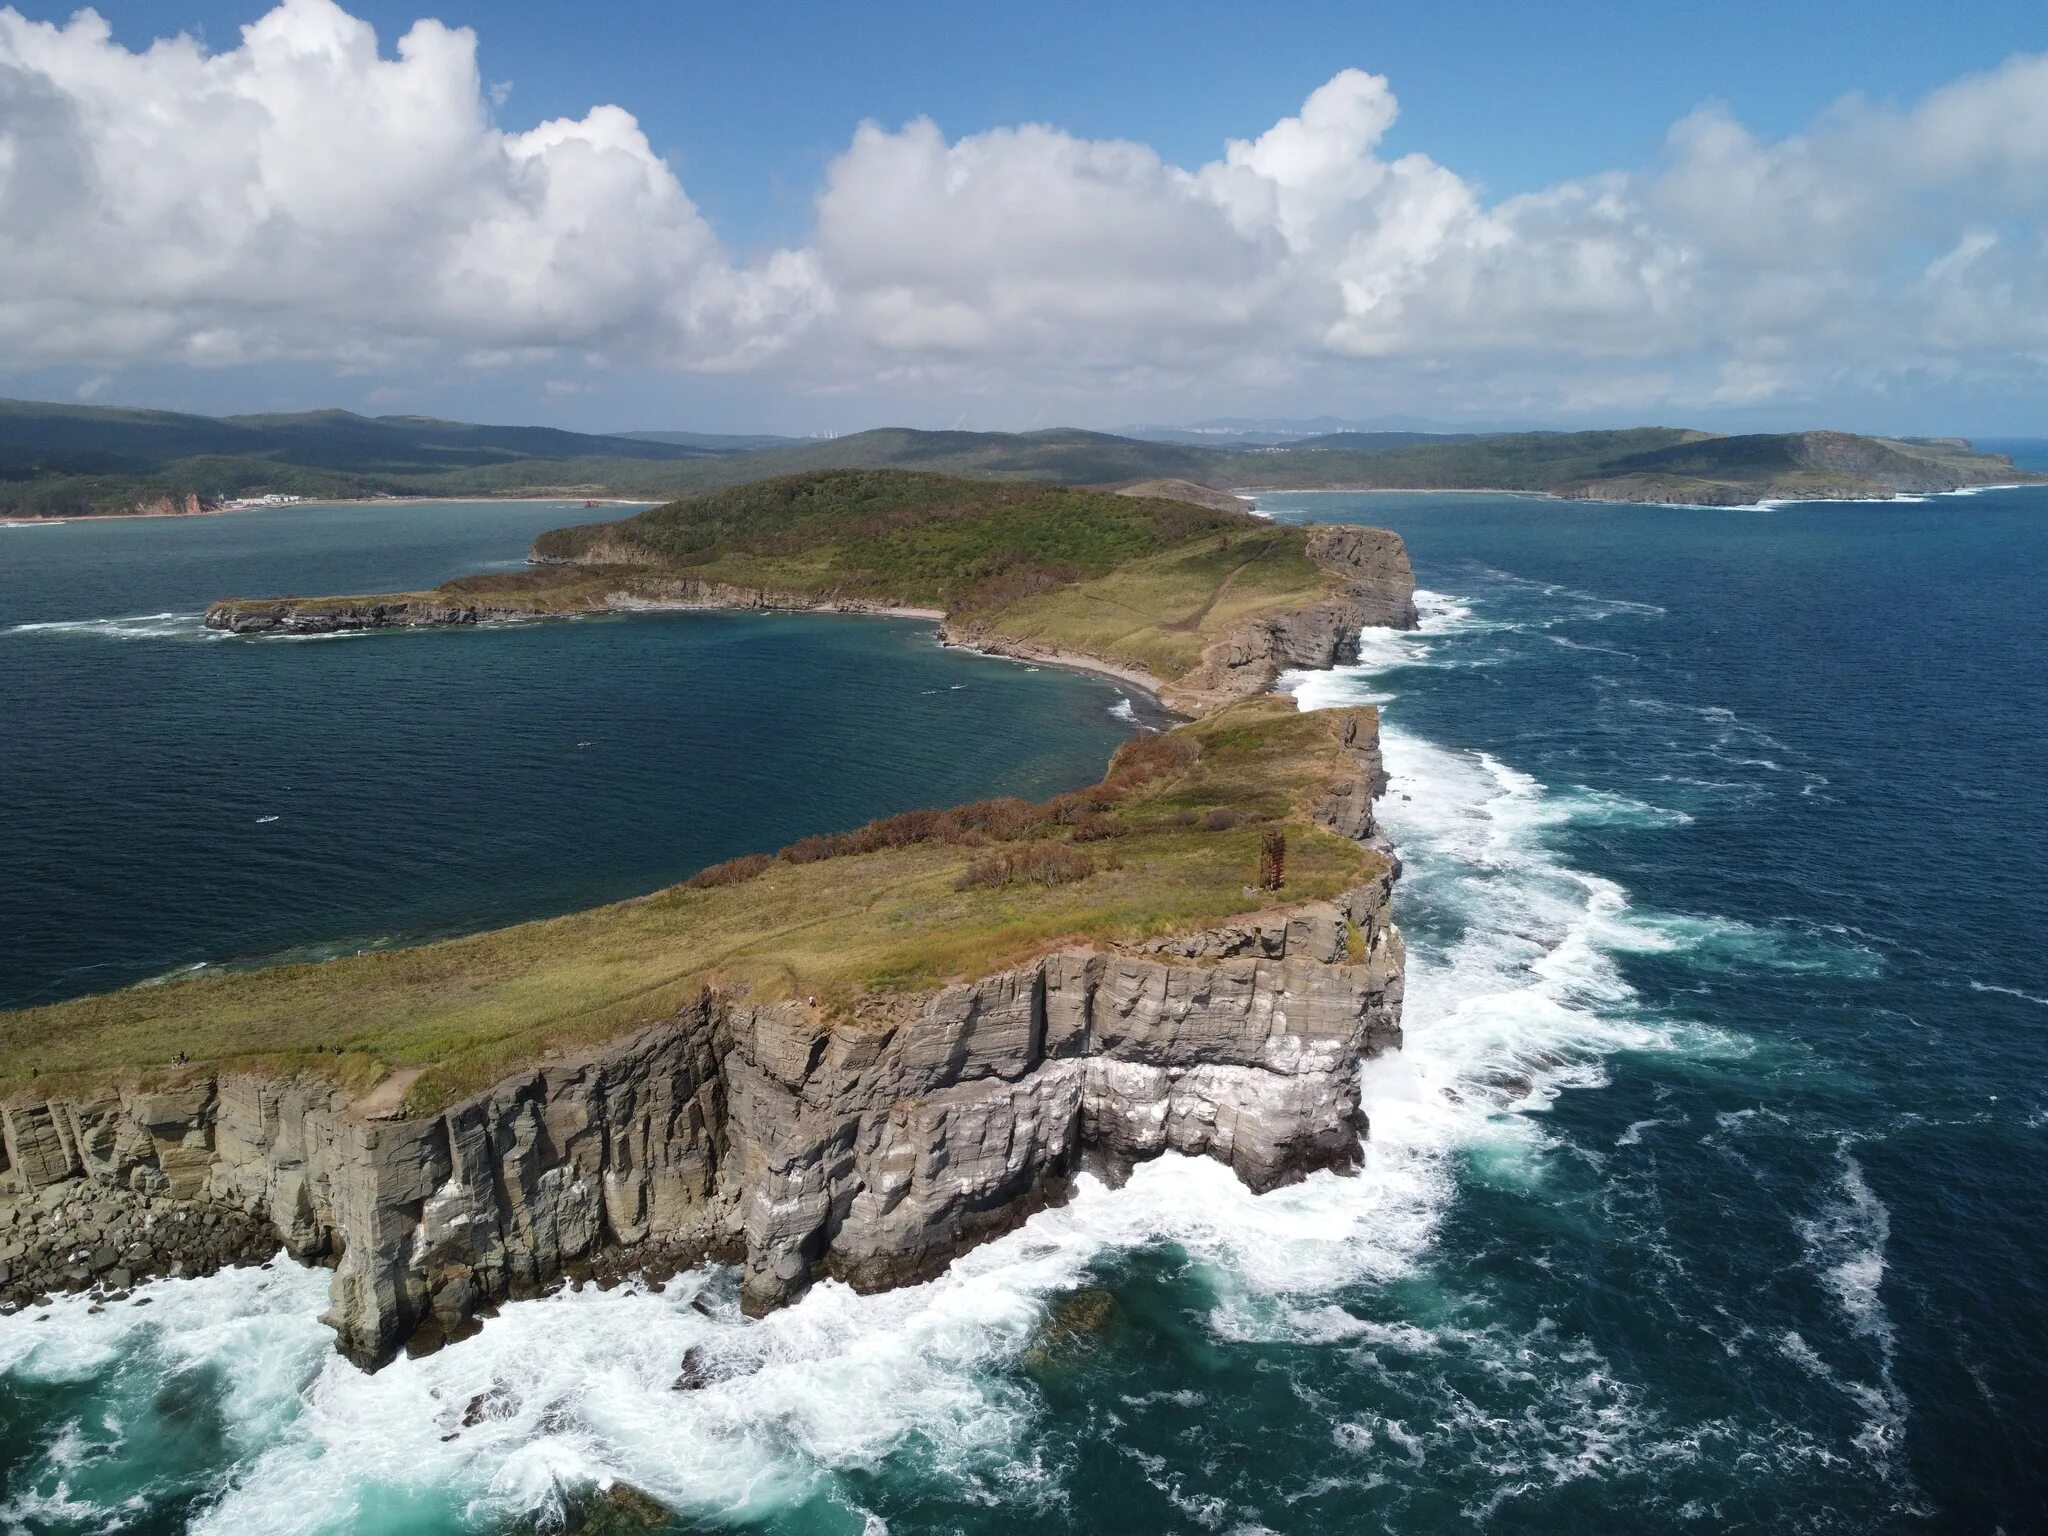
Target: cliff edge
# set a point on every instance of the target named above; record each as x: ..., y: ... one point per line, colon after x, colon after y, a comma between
x: 1200, y: 603
x: 1195, y: 955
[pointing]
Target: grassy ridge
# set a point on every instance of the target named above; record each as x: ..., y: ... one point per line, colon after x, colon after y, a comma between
x: 897, y: 533
x: 1138, y: 581
x: 1171, y: 839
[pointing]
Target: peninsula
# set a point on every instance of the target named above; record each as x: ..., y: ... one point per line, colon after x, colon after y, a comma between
x: 852, y: 1058
x: 1195, y: 601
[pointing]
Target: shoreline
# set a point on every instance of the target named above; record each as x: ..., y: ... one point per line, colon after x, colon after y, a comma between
x: 1765, y: 504
x: 1400, y: 490
x: 316, y: 501
x: 1148, y: 686
x: 848, y: 610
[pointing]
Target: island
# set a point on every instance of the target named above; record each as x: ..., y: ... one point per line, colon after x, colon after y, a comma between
x: 854, y: 1057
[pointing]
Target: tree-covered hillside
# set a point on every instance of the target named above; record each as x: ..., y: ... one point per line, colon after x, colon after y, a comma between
x: 73, y: 460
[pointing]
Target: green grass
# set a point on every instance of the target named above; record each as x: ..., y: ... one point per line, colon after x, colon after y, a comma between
x: 76, y: 459
x: 846, y: 931
x: 1146, y: 582
x: 1159, y: 612
x: 904, y: 533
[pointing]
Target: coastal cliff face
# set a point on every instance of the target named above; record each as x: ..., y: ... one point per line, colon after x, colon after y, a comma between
x: 873, y: 1147
x: 1374, y: 586
x: 1377, y: 591
x: 631, y: 590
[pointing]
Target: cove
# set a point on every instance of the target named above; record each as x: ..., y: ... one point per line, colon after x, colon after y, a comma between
x: 175, y: 798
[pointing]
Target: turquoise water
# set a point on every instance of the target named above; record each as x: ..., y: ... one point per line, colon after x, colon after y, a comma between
x: 174, y: 797
x: 1707, y: 1193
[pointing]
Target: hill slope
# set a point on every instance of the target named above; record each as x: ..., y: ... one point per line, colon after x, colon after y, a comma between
x: 1207, y: 602
x: 72, y: 460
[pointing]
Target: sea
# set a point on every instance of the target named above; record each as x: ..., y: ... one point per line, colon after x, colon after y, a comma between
x: 173, y: 798
x: 1709, y: 1191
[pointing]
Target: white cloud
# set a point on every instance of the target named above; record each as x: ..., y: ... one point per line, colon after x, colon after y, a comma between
x: 304, y: 196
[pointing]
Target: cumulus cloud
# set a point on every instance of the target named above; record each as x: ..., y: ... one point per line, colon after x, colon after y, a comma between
x: 304, y: 195
x: 1748, y: 270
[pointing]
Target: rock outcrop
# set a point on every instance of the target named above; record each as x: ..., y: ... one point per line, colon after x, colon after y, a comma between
x: 632, y: 591
x: 1377, y: 590
x: 873, y: 1147
x: 287, y: 616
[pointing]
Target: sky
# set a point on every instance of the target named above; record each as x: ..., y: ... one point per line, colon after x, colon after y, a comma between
x: 819, y: 218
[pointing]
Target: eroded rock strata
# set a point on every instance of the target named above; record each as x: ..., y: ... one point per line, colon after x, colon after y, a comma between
x: 874, y: 1148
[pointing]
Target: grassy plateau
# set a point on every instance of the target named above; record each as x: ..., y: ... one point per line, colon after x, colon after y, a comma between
x: 1138, y: 581
x: 1168, y: 842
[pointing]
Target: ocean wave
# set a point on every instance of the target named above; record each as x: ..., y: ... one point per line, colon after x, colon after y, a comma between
x: 2028, y: 997
x: 134, y: 626
x: 1514, y: 998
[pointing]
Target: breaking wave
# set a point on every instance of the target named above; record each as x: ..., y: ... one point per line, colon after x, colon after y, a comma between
x: 137, y: 626
x: 1516, y: 997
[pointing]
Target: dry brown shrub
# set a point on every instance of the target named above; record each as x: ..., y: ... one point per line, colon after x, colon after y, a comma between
x: 1145, y: 758
x: 731, y: 872
x: 1220, y: 819
x: 1001, y: 820
x: 1093, y: 827
x: 1034, y: 863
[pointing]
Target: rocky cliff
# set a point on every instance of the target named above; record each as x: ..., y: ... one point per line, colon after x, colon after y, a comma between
x: 1376, y: 590
x: 873, y: 1142
x: 1370, y: 584
x: 613, y: 590
x: 873, y: 1147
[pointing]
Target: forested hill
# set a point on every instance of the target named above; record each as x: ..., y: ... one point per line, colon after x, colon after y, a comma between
x: 71, y: 460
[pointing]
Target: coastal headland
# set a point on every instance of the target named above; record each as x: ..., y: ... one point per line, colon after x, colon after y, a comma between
x: 852, y: 1058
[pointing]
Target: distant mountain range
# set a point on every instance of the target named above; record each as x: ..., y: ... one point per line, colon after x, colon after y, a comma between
x: 58, y: 460
x: 1276, y: 431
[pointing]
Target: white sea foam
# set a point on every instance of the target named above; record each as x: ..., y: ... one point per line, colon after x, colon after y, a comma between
x: 1845, y: 1243
x: 134, y: 626
x: 1123, y: 711
x: 2028, y: 997
x: 1514, y: 997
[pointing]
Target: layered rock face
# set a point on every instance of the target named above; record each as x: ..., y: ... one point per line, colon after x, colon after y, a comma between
x: 634, y: 590
x: 1378, y: 590
x: 287, y: 617
x: 875, y: 1147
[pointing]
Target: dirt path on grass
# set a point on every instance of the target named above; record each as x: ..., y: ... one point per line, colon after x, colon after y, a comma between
x: 1193, y: 621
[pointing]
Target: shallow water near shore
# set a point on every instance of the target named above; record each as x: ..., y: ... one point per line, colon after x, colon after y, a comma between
x: 1707, y: 1193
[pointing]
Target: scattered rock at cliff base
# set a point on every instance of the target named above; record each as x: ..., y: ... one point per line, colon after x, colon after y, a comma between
x: 620, y: 1510
x: 697, y: 1372
x: 496, y: 1403
x: 1076, y: 1325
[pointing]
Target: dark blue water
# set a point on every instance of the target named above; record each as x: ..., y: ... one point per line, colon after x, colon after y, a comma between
x: 1709, y: 1193
x: 170, y: 796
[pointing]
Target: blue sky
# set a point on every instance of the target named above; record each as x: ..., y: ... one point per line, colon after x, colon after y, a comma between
x: 764, y: 309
